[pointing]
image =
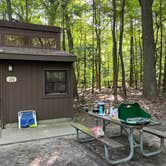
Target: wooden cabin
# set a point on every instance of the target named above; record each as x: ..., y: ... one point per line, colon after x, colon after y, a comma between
x: 34, y: 73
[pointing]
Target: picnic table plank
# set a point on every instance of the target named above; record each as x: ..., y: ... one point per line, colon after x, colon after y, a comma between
x: 155, y: 131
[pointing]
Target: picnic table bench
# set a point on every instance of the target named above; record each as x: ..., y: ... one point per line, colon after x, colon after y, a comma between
x: 154, y: 131
x: 160, y: 133
x: 108, y: 143
x: 88, y: 131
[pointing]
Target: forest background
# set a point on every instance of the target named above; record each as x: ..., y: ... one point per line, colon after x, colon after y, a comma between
x: 118, y: 43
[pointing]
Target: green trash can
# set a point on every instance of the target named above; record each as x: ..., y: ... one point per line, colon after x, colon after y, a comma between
x: 133, y: 114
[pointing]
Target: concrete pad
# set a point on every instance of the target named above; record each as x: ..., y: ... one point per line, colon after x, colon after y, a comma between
x: 45, y: 129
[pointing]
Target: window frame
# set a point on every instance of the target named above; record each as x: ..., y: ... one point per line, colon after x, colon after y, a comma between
x: 66, y: 93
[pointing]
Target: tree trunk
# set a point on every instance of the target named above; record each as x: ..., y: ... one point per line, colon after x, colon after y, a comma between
x: 164, y: 78
x: 93, y: 47
x: 71, y: 50
x: 120, y: 48
x: 131, y: 54
x: 156, y: 39
x: 141, y: 62
x: 69, y: 34
x: 97, y: 20
x: 150, y: 83
x: 9, y: 10
x: 161, y: 48
x: 63, y: 36
x: 63, y: 30
x: 85, y: 52
x: 114, y: 51
x: 68, y: 30
x: 70, y: 44
x: 136, y: 67
x: 27, y: 11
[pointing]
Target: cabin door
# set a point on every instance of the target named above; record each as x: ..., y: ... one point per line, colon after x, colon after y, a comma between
x: 12, y: 86
x: 18, y: 92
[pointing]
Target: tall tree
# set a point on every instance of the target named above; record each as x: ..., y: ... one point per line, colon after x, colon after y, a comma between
x: 63, y: 29
x: 114, y: 51
x: 141, y: 60
x: 164, y: 77
x: 97, y: 29
x: 120, y: 47
x: 161, y: 47
x: 9, y: 10
x: 93, y: 45
x: 136, y: 60
x: 150, y: 83
x: 68, y: 26
x: 131, y: 53
x: 85, y: 61
x: 98, y: 46
x: 70, y: 41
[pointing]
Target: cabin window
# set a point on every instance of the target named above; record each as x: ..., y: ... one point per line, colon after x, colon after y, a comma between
x: 55, y: 82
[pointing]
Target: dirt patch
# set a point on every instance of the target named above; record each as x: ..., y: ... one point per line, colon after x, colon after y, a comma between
x: 66, y: 151
x: 61, y: 151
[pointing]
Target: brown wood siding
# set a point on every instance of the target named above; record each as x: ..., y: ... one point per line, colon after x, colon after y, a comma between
x: 1, y: 91
x: 2, y: 95
x: 28, y: 91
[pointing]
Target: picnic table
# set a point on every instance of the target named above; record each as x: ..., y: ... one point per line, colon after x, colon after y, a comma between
x: 129, y: 129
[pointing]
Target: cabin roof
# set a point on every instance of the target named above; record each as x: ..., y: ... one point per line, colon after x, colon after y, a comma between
x: 27, y: 26
x: 13, y: 53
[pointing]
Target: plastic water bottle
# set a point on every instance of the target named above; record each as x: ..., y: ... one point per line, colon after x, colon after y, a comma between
x: 101, y: 107
x: 101, y: 110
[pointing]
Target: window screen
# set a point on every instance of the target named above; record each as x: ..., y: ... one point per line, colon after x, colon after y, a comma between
x: 55, y: 81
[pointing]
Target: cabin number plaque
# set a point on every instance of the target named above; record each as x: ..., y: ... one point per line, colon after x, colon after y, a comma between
x: 11, y: 79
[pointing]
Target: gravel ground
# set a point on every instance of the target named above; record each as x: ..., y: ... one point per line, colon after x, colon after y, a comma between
x: 65, y: 151
x: 60, y: 151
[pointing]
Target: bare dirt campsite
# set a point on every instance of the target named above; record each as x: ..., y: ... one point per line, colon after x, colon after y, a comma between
x: 66, y: 151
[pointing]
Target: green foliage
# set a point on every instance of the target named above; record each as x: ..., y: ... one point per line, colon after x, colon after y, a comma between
x: 80, y: 16
x: 3, y: 8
